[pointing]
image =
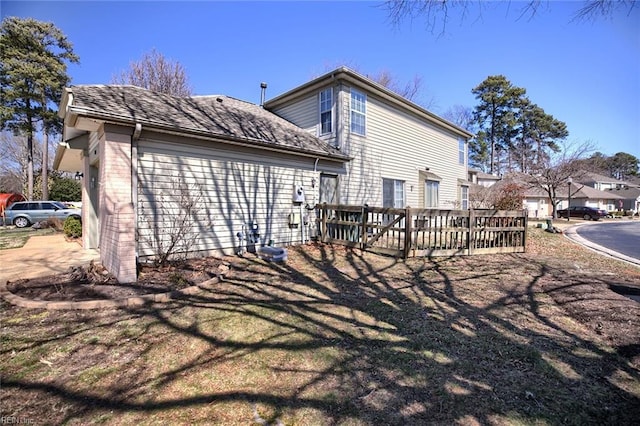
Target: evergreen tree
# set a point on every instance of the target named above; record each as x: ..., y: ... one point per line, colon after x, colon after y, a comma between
x: 33, y: 73
x: 539, y: 133
x: 496, y: 114
x: 623, y: 165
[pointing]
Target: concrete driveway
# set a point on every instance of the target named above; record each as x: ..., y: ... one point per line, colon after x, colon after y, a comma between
x: 42, y: 256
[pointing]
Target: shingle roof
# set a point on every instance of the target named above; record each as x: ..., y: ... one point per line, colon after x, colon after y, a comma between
x: 212, y: 116
x: 588, y: 177
x: 626, y: 192
x: 594, y: 194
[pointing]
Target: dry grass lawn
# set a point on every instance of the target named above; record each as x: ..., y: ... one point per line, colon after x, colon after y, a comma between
x: 341, y: 337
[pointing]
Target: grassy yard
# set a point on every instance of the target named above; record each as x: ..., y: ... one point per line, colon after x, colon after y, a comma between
x: 11, y: 237
x: 340, y: 337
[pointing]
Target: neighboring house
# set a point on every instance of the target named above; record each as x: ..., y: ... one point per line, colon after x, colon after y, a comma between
x: 630, y: 198
x: 538, y: 204
x: 600, y: 182
x: 582, y: 195
x: 150, y: 159
x: 225, y: 173
x: 401, y: 154
x: 483, y: 179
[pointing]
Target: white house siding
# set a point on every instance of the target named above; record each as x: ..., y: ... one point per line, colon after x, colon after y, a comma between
x: 236, y: 186
x: 398, y: 145
x: 304, y: 113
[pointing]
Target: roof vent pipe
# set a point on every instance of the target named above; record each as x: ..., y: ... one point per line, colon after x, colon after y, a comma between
x: 263, y: 91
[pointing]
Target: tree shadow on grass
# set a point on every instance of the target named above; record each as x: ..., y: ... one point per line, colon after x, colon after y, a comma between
x: 339, y: 336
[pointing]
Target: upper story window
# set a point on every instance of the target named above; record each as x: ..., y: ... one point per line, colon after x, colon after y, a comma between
x: 462, y: 152
x: 326, y: 111
x: 393, y: 193
x: 358, y: 112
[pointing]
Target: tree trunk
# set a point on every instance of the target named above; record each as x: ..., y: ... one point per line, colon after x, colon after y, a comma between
x: 30, y: 166
x: 45, y: 167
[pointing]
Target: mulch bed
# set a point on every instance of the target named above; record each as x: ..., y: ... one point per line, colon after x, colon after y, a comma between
x: 95, y: 283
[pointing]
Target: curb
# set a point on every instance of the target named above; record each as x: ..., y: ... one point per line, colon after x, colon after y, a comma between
x: 125, y: 302
x: 571, y: 233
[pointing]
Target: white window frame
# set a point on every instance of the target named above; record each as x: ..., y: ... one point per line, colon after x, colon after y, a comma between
x: 398, y: 193
x: 325, y: 99
x: 428, y: 202
x: 358, y: 107
x: 464, y: 197
x: 462, y: 151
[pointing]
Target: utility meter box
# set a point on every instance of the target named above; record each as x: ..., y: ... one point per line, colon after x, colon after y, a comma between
x: 298, y: 194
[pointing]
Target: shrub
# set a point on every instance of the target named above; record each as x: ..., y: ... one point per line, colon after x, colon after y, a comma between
x: 72, y: 227
x: 510, y: 197
x: 52, y: 222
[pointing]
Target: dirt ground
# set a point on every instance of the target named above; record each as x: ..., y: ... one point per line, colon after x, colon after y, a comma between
x: 582, y: 290
x: 94, y: 282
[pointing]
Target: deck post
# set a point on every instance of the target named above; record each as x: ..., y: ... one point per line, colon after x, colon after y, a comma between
x: 407, y: 232
x: 471, y: 240
x: 324, y: 222
x: 524, y: 235
x: 363, y: 228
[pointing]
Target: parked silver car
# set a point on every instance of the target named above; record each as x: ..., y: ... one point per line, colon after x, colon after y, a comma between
x: 26, y: 213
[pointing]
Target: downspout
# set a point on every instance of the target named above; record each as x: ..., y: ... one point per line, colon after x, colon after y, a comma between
x: 134, y: 183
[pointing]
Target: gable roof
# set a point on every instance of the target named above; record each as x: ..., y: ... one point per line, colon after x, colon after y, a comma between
x: 588, y: 177
x: 349, y: 76
x: 219, y: 117
x: 627, y: 192
x: 482, y: 175
x: 594, y: 194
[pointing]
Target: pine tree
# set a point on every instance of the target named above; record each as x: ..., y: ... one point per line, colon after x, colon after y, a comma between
x: 33, y: 73
x: 495, y: 114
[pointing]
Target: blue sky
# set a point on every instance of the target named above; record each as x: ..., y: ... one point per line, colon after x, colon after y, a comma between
x: 586, y: 74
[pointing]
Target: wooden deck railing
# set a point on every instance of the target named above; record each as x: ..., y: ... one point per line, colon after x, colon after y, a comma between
x: 423, y: 232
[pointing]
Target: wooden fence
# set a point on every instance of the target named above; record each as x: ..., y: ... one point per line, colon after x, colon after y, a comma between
x: 423, y: 232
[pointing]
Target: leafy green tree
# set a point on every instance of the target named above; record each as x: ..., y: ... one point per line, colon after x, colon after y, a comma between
x: 495, y: 114
x: 64, y: 188
x: 33, y: 73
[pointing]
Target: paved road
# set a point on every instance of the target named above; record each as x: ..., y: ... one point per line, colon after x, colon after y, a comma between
x: 622, y: 237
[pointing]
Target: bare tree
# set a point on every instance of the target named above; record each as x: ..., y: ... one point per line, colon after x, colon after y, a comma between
x: 157, y: 73
x: 460, y: 115
x: 407, y: 90
x: 552, y: 177
x: 171, y: 229
x: 14, y: 157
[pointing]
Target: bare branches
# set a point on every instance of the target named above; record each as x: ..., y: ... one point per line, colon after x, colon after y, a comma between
x: 155, y: 72
x: 436, y: 14
x: 594, y: 9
